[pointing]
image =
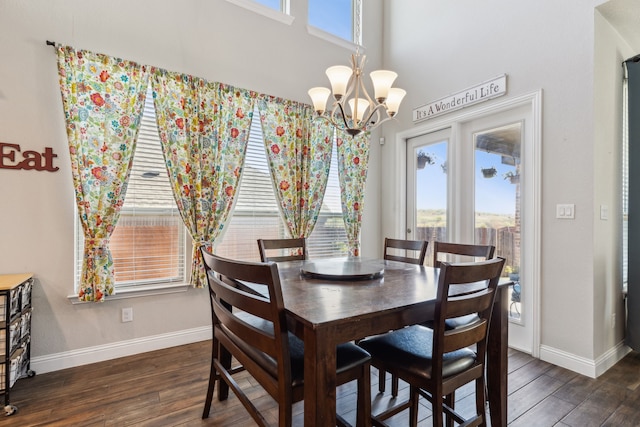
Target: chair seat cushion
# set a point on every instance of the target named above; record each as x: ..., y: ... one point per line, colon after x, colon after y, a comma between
x: 348, y: 355
x: 455, y: 322
x: 410, y: 349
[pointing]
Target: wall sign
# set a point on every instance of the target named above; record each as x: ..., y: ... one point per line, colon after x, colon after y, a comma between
x: 481, y: 92
x: 12, y: 158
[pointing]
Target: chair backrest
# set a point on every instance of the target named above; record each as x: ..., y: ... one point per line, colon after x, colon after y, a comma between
x: 297, y: 249
x: 251, y: 326
x: 464, y: 289
x: 473, y: 251
x: 419, y: 248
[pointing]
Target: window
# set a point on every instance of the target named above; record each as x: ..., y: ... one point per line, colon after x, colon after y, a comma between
x: 273, y: 4
x: 275, y: 9
x: 148, y: 245
x: 337, y: 17
x: 256, y: 213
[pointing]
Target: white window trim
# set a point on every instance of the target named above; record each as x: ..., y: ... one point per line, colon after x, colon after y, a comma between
x: 151, y: 289
x: 141, y: 291
x: 263, y: 10
x: 331, y: 38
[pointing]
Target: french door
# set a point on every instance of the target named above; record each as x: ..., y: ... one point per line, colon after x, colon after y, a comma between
x: 470, y: 182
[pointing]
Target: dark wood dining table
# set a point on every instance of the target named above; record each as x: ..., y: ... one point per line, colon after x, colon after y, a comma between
x: 326, y: 310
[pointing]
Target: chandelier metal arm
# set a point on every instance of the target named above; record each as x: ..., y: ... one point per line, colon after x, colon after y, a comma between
x: 341, y: 121
x: 376, y: 110
x: 343, y: 116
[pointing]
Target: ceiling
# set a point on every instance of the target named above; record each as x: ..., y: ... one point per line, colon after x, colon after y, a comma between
x: 624, y: 16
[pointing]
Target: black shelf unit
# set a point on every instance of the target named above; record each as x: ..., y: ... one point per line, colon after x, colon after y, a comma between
x: 15, y: 333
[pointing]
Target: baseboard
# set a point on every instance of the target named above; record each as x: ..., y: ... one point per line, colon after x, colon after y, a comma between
x: 85, y: 356
x: 521, y: 349
x: 611, y: 357
x: 589, y: 367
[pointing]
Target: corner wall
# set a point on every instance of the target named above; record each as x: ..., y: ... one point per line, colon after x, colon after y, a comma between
x: 609, y: 309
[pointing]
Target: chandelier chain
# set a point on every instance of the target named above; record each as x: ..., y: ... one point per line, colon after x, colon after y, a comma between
x: 358, y: 21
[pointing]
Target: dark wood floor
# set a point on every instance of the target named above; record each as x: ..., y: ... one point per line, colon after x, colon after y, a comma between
x: 167, y: 388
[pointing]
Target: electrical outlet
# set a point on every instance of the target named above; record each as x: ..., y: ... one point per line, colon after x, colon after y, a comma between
x: 127, y: 314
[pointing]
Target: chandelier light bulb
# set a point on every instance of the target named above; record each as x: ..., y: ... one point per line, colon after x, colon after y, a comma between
x: 394, y: 99
x: 319, y: 96
x: 339, y: 76
x: 382, y: 81
x: 358, y: 110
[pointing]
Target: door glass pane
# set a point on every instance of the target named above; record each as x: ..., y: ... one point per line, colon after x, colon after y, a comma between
x: 497, y: 198
x: 431, y: 194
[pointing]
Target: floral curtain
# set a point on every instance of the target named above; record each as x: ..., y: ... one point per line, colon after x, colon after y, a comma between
x: 353, y: 162
x: 102, y: 99
x: 204, y: 128
x: 299, y: 154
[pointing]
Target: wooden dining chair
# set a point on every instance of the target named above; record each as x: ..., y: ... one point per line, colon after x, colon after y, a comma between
x: 412, y: 252
x: 462, y: 252
x: 402, y: 250
x: 252, y: 330
x: 436, y: 362
x: 273, y: 249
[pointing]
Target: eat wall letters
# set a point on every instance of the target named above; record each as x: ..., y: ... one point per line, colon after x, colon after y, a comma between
x: 10, y: 158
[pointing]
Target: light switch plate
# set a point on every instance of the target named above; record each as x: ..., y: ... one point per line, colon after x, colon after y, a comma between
x: 565, y: 211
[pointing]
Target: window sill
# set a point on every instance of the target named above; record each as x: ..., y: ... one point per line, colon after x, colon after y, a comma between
x: 317, y: 32
x: 264, y: 11
x: 139, y: 291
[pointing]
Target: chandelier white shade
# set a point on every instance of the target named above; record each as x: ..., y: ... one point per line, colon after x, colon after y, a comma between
x: 364, y: 113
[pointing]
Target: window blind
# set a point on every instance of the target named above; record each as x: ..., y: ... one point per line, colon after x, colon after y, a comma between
x: 329, y: 238
x: 255, y: 213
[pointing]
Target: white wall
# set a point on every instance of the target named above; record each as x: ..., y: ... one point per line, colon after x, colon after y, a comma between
x: 440, y: 47
x: 610, y: 51
x: 215, y: 40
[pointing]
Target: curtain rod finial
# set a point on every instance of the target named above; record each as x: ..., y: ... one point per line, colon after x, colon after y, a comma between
x: 50, y: 43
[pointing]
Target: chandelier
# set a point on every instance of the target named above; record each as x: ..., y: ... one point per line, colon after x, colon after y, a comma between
x: 348, y: 88
x: 365, y: 113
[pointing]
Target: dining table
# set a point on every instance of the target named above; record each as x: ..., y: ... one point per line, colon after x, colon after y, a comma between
x: 333, y: 301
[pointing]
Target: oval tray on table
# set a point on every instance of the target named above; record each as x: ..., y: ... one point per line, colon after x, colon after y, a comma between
x: 343, y: 269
